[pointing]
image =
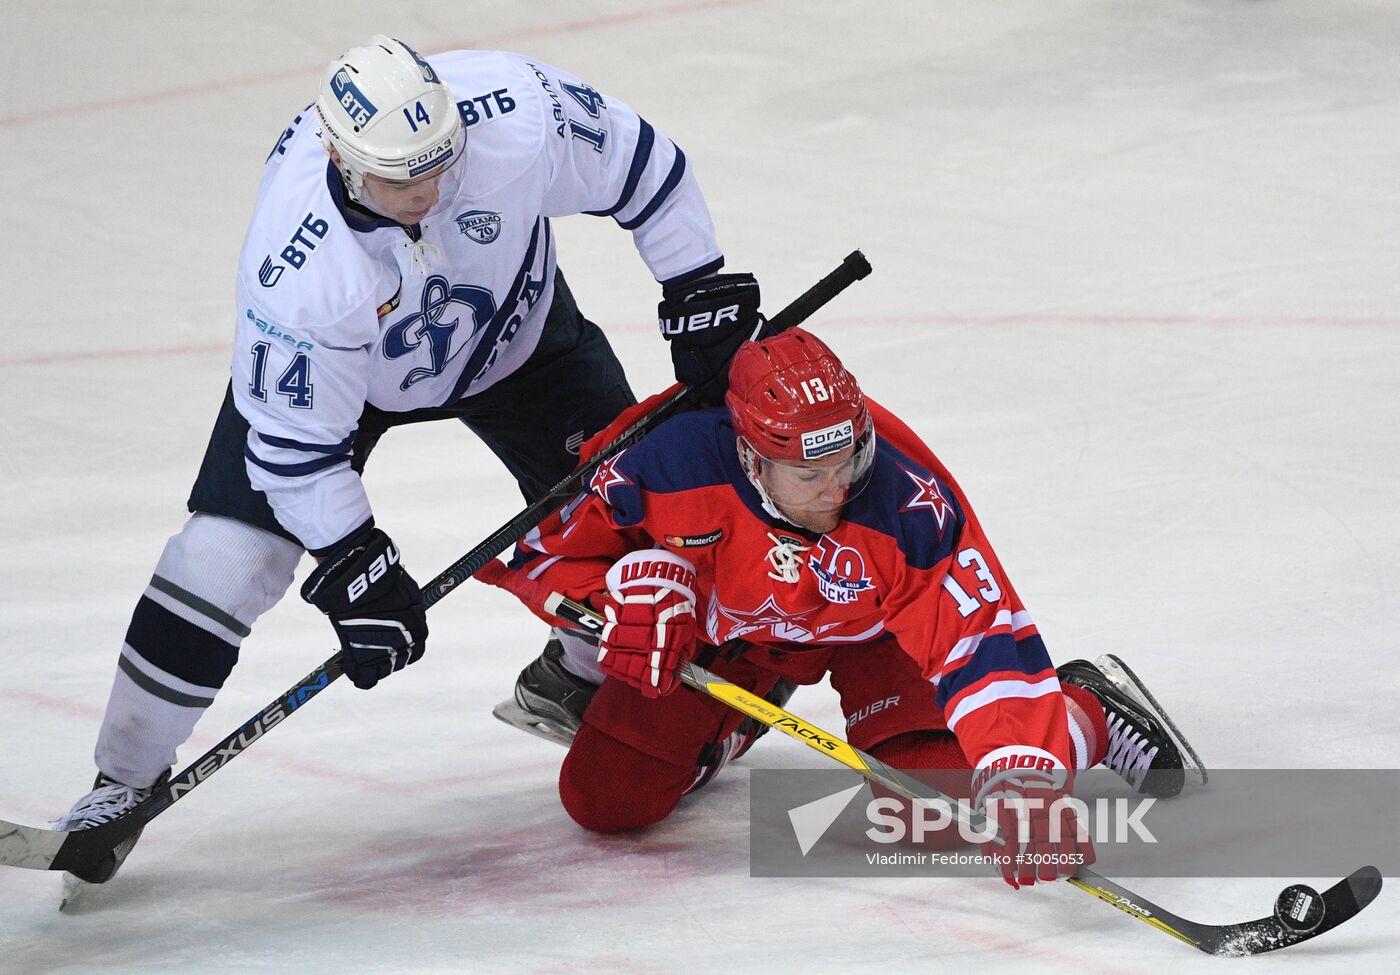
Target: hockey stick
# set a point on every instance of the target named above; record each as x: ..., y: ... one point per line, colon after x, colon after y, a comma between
x: 1300, y: 913
x: 84, y: 852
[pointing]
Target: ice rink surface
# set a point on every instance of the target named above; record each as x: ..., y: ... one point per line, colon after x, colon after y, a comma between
x: 1137, y: 281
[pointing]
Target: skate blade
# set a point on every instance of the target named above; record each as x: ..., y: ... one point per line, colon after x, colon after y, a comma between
x: 517, y: 717
x: 1122, y: 675
x: 72, y: 890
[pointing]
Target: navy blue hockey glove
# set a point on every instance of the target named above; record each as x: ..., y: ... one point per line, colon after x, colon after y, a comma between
x: 705, y: 321
x: 373, y: 604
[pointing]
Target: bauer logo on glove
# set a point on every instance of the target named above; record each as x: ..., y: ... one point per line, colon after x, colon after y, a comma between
x: 705, y: 321
x: 700, y: 321
x: 361, y: 583
x: 378, y: 614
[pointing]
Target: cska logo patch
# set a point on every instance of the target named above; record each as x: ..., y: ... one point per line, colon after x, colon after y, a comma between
x: 840, y: 571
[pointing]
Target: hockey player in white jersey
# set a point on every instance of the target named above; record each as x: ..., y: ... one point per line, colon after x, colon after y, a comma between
x: 400, y: 266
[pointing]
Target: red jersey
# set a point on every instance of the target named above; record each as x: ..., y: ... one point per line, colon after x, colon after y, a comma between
x: 908, y: 559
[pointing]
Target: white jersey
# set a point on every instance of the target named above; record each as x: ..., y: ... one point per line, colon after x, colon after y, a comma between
x: 337, y: 309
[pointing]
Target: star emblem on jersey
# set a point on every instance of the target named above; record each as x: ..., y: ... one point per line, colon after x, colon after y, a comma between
x: 785, y: 626
x: 607, y: 477
x: 929, y: 496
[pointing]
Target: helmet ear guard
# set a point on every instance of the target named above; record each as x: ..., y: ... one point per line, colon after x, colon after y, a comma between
x: 385, y: 112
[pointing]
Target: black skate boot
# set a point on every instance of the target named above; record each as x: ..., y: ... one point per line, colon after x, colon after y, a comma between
x: 549, y: 701
x: 108, y: 800
x: 1144, y: 746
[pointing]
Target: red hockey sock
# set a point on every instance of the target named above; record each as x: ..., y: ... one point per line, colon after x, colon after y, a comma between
x: 610, y: 787
x: 933, y: 757
x: 921, y: 749
x: 1088, y: 727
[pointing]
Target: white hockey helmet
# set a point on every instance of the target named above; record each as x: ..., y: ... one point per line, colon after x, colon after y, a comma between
x: 385, y: 111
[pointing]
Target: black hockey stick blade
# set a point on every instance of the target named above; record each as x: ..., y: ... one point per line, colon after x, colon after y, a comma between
x: 1340, y: 902
x: 81, y: 852
x: 85, y: 852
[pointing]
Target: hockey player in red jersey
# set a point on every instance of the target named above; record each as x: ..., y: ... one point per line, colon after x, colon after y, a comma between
x: 802, y: 531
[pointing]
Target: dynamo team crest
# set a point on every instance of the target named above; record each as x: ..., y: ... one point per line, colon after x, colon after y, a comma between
x: 482, y: 226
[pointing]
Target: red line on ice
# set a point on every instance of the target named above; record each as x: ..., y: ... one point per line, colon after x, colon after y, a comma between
x: 986, y: 321
x: 67, y: 112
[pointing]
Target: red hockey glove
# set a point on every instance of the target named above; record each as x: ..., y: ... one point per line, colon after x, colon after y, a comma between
x: 649, y: 610
x: 1024, y: 791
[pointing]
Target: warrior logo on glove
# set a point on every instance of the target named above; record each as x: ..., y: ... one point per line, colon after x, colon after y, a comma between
x: 1025, y: 792
x: 649, y: 608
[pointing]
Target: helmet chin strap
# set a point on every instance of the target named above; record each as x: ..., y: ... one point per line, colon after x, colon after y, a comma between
x: 353, y: 182
x: 748, y: 460
x: 786, y: 554
x: 355, y: 186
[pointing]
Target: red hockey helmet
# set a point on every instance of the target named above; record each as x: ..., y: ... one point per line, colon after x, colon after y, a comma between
x: 796, y: 408
x: 792, y: 399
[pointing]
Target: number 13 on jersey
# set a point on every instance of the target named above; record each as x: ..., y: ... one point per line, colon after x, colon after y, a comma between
x: 988, y: 593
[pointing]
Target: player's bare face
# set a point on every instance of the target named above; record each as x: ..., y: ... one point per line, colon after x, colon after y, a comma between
x: 811, y: 494
x: 404, y: 201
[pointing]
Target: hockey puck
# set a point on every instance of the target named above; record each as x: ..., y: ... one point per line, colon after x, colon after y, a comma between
x: 1299, y: 908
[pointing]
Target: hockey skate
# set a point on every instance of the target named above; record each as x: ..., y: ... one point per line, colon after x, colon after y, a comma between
x: 108, y: 800
x: 717, y: 756
x: 1144, y: 747
x: 549, y: 701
